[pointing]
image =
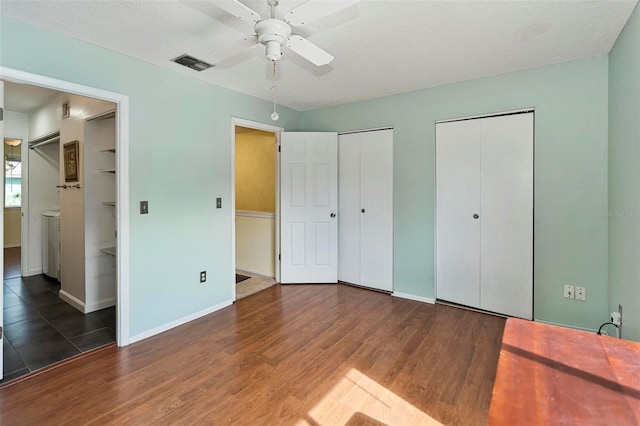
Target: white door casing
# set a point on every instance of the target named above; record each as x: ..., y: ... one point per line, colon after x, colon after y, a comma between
x: 308, y: 207
x: 2, y: 231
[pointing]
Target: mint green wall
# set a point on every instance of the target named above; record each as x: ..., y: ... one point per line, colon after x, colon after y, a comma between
x: 624, y: 176
x: 183, y: 234
x: 570, y: 101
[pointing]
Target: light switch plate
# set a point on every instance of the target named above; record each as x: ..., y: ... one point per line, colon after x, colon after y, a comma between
x: 144, y: 207
x: 218, y: 203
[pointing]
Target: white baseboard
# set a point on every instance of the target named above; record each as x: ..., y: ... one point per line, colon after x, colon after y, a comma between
x: 100, y: 304
x: 32, y: 272
x: 413, y: 297
x: 249, y: 271
x: 12, y: 245
x: 178, y: 322
x: 559, y: 324
x: 72, y: 300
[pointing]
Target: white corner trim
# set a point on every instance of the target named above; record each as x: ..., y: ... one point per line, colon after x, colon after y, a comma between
x: 414, y: 297
x: 72, y: 300
x: 179, y: 321
x: 559, y: 324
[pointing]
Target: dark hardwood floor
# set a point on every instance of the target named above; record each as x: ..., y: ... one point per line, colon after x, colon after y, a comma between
x: 292, y: 354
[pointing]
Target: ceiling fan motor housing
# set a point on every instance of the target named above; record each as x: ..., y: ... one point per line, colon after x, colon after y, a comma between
x: 273, y: 33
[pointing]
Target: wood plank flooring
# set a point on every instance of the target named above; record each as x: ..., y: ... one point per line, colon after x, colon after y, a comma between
x: 295, y: 354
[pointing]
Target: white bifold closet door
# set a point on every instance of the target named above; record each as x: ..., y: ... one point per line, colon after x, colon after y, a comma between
x: 484, y: 213
x: 365, y: 212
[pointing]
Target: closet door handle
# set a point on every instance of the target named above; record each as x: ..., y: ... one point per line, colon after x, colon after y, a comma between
x: 362, y: 211
x: 333, y: 215
x: 475, y: 215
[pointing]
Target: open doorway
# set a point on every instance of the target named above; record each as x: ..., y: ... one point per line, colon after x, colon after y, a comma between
x: 60, y: 285
x: 255, y: 207
x: 12, y: 204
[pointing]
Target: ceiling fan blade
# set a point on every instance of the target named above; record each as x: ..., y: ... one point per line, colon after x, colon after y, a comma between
x: 308, y: 50
x: 233, y: 48
x: 312, y: 10
x: 238, y: 9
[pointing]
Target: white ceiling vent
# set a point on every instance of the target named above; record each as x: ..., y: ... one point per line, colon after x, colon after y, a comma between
x: 191, y: 62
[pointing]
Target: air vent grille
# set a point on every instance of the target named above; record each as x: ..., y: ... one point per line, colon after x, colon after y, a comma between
x: 191, y: 62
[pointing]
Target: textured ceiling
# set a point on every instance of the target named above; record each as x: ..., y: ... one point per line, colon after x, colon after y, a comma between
x: 380, y: 47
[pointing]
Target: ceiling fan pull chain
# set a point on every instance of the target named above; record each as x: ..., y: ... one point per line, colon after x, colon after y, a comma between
x: 274, y: 114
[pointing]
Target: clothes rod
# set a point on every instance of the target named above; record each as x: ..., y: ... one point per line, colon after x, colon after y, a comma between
x: 52, y: 137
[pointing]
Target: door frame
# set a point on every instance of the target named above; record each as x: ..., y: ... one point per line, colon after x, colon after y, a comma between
x: 235, y: 121
x: 122, y: 180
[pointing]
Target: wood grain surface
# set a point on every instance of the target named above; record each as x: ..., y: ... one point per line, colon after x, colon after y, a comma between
x: 296, y: 354
x: 550, y: 375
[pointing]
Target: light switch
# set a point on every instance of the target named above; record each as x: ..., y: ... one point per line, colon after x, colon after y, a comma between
x: 144, y: 207
x: 218, y: 203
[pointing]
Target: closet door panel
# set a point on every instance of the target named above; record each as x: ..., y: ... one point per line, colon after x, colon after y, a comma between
x: 349, y: 208
x: 506, y: 280
x: 376, y: 194
x: 457, y: 200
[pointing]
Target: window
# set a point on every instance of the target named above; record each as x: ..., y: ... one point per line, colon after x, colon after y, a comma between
x: 12, y: 173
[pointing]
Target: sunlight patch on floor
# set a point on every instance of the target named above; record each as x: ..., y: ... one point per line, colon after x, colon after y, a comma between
x: 356, y: 399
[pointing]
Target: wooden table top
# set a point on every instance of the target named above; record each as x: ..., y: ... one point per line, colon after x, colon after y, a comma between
x: 549, y: 375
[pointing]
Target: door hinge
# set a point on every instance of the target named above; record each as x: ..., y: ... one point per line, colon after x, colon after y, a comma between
x: 278, y: 148
x: 279, y: 258
x: 0, y: 333
x: 1, y: 114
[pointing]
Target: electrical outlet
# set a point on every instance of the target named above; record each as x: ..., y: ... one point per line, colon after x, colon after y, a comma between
x: 616, y: 318
x: 569, y: 292
x: 581, y: 294
x: 203, y: 276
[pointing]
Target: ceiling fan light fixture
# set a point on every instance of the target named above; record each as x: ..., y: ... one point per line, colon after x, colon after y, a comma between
x: 273, y: 50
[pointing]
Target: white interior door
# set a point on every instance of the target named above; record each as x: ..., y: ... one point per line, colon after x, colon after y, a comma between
x: 2, y: 230
x: 506, y: 242
x: 309, y: 202
x: 349, y: 208
x: 457, y: 201
x: 376, y: 209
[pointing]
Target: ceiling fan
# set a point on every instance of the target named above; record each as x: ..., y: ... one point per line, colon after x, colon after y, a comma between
x: 274, y: 33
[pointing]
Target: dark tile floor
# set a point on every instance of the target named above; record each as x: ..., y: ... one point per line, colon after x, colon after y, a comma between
x: 40, y: 329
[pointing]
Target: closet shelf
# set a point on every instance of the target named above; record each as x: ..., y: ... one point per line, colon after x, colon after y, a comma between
x: 109, y: 203
x: 109, y: 250
x: 108, y: 170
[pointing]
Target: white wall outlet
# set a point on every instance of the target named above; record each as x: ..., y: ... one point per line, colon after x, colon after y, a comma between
x: 581, y: 293
x: 616, y: 318
x: 569, y: 292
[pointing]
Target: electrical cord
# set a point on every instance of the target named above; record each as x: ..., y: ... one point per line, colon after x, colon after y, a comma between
x: 606, y: 323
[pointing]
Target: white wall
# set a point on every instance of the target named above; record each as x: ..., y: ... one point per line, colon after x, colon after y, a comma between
x: 255, y: 242
x: 43, y: 168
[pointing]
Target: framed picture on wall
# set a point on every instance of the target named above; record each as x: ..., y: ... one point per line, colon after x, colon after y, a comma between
x: 71, y: 161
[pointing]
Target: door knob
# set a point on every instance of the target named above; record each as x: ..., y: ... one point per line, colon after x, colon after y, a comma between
x: 333, y: 215
x: 475, y: 215
x: 362, y: 211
